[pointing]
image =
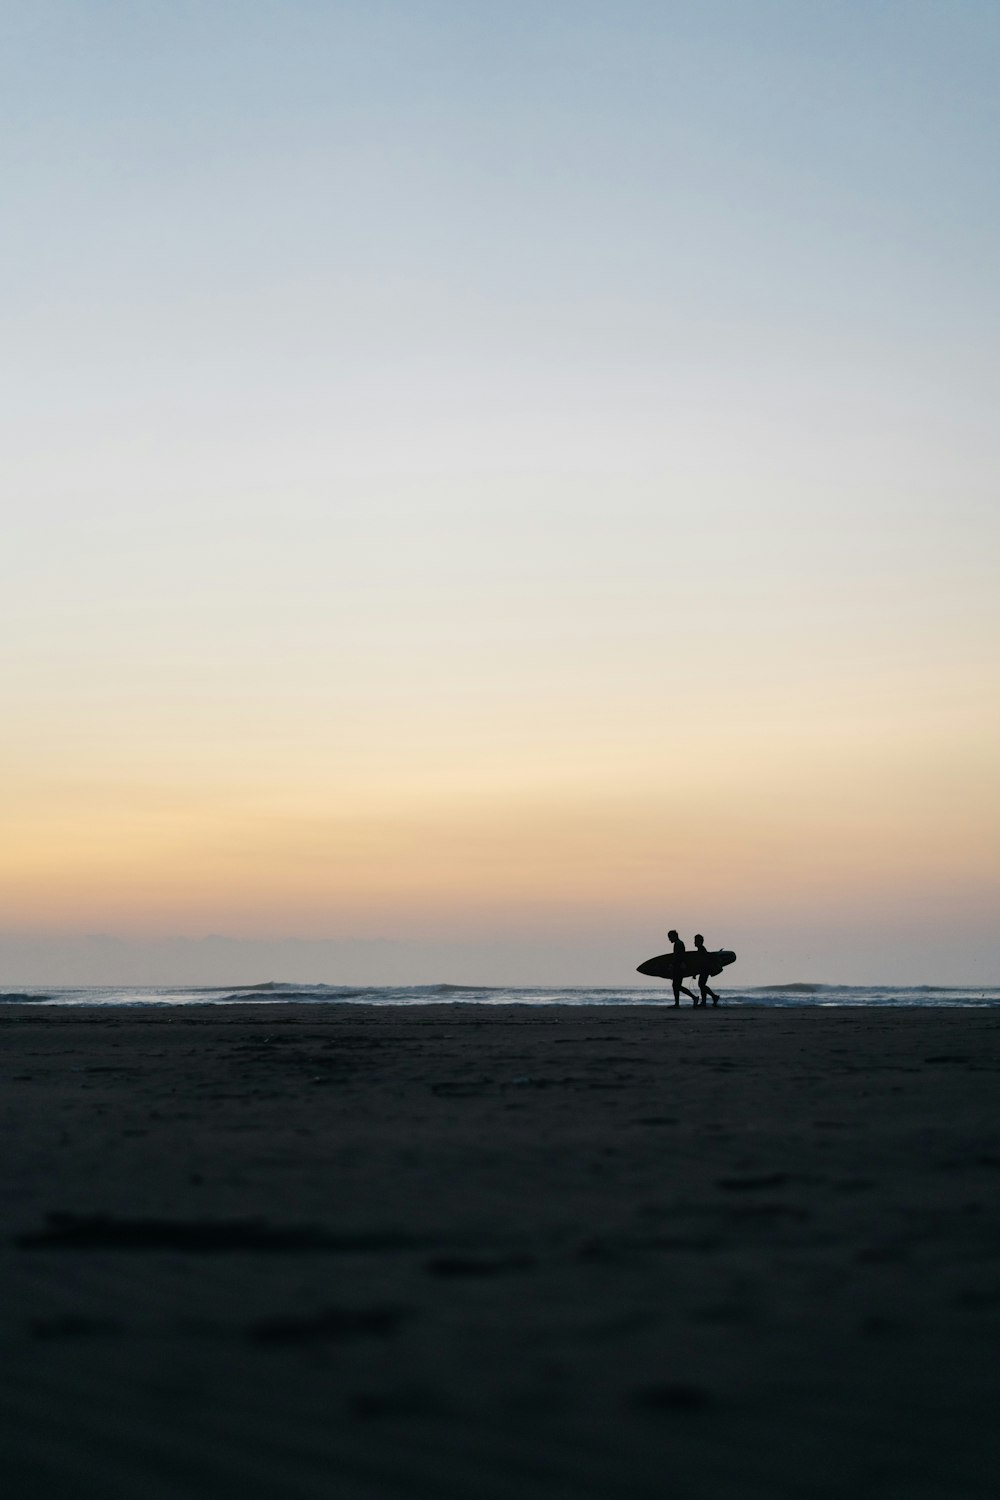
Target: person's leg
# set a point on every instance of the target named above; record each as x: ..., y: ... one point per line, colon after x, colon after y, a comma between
x: 677, y: 989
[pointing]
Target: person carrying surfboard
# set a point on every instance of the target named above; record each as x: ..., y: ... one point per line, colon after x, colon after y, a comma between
x: 680, y: 953
x: 703, y: 972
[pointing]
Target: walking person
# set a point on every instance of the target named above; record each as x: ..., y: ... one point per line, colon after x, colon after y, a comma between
x: 704, y: 970
x: 680, y: 954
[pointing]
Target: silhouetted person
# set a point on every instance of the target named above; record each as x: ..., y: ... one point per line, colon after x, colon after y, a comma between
x: 680, y: 953
x: 703, y: 972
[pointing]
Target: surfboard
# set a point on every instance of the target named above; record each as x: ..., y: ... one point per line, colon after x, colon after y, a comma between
x: 662, y: 966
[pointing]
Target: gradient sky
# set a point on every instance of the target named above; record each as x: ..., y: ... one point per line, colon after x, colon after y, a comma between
x: 502, y: 480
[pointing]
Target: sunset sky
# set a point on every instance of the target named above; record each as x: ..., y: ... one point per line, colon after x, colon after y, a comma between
x: 485, y: 483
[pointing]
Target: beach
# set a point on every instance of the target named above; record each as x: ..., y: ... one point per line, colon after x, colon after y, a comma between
x: 464, y: 1251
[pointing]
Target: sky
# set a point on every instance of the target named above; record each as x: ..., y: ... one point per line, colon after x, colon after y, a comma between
x: 485, y: 484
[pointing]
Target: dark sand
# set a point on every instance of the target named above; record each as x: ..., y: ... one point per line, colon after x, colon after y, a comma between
x: 456, y: 1252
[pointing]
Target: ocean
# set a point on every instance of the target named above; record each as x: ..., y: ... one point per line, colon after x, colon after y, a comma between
x: 937, y: 996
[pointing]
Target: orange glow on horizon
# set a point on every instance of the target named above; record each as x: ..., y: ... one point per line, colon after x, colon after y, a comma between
x: 729, y: 830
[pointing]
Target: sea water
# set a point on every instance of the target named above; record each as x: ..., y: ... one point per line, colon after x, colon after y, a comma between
x: 437, y: 994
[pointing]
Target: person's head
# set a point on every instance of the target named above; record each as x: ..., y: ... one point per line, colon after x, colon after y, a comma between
x: 699, y: 941
x: 672, y: 935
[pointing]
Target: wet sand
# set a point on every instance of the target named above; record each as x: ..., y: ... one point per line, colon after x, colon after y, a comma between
x: 458, y: 1252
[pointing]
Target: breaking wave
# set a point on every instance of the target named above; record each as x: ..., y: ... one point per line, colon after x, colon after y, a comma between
x: 271, y: 992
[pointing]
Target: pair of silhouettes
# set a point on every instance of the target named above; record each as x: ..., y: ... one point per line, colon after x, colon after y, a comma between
x: 702, y: 972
